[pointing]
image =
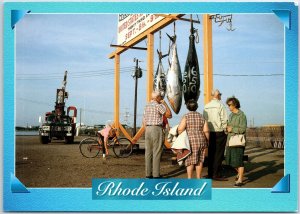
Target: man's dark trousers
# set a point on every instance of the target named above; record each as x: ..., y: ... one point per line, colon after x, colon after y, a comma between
x: 216, y: 148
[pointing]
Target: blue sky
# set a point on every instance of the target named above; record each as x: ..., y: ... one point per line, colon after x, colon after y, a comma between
x: 49, y: 44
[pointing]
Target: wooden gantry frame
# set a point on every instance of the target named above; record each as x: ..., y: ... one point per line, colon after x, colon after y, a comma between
x: 149, y: 35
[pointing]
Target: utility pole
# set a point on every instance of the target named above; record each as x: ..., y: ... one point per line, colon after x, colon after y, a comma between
x: 126, y: 115
x: 136, y: 75
x: 80, y: 117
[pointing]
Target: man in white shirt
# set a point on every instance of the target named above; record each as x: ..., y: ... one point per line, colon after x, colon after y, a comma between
x: 216, y: 116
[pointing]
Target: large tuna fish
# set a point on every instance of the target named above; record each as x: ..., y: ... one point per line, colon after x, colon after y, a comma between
x: 191, y: 76
x: 159, y: 83
x: 174, y: 79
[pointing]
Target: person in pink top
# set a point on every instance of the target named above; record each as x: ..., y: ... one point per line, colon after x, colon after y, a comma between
x: 108, y: 132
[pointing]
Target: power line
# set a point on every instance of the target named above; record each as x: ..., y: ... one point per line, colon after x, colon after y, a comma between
x: 249, y: 62
x: 81, y: 72
x: 247, y: 75
x: 74, y: 74
x: 99, y: 73
x: 34, y: 101
x: 50, y: 77
x: 47, y: 104
x: 97, y: 111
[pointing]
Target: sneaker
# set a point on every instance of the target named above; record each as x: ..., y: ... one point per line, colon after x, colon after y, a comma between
x: 238, y: 184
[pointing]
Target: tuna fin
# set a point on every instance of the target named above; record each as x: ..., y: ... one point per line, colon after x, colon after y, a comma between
x: 171, y: 103
x: 172, y: 38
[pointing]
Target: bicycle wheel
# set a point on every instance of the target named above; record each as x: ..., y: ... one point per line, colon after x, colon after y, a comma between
x: 89, y: 147
x: 122, y: 148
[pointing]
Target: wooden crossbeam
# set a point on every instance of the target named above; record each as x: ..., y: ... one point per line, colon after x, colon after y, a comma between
x: 156, y: 27
x: 178, y: 18
x: 122, y: 46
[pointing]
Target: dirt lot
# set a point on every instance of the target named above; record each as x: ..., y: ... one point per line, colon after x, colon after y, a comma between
x: 62, y: 165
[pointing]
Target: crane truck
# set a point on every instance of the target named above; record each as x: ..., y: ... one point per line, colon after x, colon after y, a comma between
x: 59, y: 124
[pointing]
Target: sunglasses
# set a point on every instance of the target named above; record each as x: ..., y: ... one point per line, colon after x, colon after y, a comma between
x: 230, y: 104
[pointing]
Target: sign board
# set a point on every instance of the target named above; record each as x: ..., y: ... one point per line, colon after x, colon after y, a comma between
x: 131, y: 25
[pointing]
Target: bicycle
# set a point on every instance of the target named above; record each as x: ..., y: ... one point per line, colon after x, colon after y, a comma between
x: 90, y: 147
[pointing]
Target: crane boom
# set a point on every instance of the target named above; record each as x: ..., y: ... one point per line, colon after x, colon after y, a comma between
x: 64, y: 83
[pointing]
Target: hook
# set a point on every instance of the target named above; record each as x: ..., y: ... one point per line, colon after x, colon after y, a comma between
x: 197, y: 35
x: 198, y: 18
x: 230, y: 24
x: 194, y: 30
x: 230, y: 27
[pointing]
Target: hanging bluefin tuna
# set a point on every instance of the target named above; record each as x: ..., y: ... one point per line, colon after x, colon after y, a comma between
x: 191, y: 76
x: 159, y: 83
x: 174, y: 79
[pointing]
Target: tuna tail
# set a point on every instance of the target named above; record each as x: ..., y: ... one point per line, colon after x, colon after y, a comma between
x: 172, y: 38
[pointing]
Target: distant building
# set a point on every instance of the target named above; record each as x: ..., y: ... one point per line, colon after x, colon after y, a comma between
x: 267, y: 136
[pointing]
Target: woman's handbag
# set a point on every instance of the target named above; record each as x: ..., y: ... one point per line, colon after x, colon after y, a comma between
x: 237, y: 140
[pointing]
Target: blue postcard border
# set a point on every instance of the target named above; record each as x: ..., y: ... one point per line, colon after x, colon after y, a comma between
x: 73, y: 199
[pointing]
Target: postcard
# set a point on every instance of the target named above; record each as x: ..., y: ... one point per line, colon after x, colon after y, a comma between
x: 151, y: 106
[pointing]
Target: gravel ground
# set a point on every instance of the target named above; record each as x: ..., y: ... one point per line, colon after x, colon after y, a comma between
x: 61, y: 165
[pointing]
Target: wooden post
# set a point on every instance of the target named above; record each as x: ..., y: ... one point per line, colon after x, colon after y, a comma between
x: 150, y: 62
x: 208, y: 66
x: 117, y: 91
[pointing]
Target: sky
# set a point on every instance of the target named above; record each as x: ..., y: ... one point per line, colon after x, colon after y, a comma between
x: 49, y: 44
